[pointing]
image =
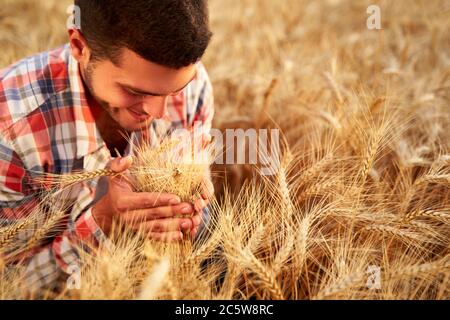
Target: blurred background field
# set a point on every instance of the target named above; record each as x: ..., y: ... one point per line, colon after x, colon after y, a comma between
x: 316, y: 49
x: 366, y: 119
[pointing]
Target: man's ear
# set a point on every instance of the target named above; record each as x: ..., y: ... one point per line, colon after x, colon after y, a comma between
x: 78, y: 46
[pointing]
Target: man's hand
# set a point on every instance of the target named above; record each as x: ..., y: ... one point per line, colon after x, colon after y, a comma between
x: 153, y: 213
x: 207, y: 191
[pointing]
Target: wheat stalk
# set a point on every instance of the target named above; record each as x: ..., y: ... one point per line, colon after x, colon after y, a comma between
x: 395, y: 232
x: 265, y: 107
x: 264, y: 274
x: 316, y: 189
x: 440, y: 266
x: 437, y: 178
x: 443, y: 214
x: 341, y: 286
x: 154, y: 282
x: 284, y: 253
x: 66, y: 180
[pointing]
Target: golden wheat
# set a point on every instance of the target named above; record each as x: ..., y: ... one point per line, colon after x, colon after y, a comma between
x: 364, y: 174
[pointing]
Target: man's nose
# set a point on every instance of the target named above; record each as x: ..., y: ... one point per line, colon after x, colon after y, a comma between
x: 155, y: 106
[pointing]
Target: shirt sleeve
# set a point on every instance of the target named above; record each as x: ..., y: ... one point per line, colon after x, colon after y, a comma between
x: 20, y: 203
x: 204, y: 100
x: 204, y: 104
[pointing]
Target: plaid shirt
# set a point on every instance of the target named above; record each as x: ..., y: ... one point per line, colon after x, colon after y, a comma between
x: 46, y: 126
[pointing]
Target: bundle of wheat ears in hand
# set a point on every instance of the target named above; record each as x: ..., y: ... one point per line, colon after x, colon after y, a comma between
x: 178, y: 165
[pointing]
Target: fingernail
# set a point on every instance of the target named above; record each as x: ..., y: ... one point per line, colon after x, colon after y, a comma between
x: 186, y: 209
x: 174, y: 201
x: 185, y: 225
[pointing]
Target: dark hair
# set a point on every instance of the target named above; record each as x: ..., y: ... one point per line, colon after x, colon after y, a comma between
x: 172, y: 33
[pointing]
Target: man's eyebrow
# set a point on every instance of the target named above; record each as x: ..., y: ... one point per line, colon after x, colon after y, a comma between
x: 146, y: 93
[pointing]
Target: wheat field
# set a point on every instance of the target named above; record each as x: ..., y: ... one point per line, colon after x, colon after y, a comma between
x: 364, y: 177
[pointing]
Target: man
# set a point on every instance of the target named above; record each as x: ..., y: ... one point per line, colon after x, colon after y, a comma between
x: 133, y: 66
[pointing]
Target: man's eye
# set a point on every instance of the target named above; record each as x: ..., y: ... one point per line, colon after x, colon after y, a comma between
x: 134, y: 94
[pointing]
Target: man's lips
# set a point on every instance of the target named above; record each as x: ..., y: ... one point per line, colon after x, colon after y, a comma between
x: 138, y: 115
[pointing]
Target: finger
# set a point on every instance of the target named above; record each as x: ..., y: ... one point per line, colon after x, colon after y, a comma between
x: 166, y: 236
x: 166, y: 225
x: 137, y: 216
x: 200, y: 204
x: 207, y: 189
x: 121, y: 164
x: 196, y: 220
x: 143, y: 200
x: 183, y: 208
x: 194, y: 231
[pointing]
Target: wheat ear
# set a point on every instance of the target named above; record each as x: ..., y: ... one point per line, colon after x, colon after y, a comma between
x: 7, y: 234
x: 264, y: 274
x: 66, y: 180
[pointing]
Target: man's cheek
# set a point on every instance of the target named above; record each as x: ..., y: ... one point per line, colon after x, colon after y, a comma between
x: 117, y: 104
x: 117, y: 100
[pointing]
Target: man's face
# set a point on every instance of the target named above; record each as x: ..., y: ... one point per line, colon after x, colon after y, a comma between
x: 135, y: 92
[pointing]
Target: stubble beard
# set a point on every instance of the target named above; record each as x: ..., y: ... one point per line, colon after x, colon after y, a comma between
x: 110, y: 111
